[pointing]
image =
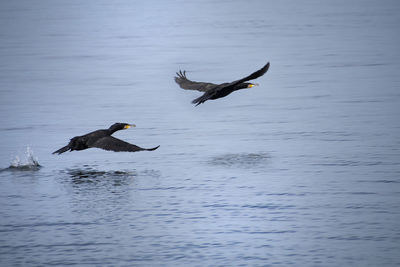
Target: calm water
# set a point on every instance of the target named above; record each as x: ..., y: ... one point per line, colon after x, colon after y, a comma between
x: 303, y: 170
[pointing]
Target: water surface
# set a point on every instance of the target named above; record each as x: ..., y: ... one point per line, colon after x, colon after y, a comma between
x: 303, y: 170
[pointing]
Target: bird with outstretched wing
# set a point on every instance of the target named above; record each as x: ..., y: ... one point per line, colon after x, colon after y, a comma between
x: 215, y: 91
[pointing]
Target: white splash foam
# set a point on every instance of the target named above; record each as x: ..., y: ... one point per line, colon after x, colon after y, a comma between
x: 29, y: 163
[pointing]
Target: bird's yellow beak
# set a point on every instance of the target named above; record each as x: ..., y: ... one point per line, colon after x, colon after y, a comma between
x: 252, y: 85
x: 129, y: 126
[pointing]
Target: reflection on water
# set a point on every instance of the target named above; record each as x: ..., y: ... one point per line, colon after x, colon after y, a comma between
x: 241, y: 160
x: 95, y: 174
x: 87, y: 177
x: 90, y: 175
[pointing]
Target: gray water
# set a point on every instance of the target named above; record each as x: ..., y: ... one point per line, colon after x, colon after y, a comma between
x: 302, y: 170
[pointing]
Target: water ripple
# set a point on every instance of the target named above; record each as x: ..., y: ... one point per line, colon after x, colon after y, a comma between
x: 56, y: 245
x: 268, y: 206
x: 16, y: 227
x: 242, y: 160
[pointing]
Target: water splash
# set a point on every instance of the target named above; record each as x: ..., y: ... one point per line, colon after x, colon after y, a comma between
x: 30, y: 163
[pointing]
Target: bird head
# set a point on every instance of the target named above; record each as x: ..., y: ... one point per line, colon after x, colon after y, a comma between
x: 121, y: 126
x: 127, y: 126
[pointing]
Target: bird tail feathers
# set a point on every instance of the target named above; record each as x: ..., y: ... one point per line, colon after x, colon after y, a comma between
x: 199, y: 100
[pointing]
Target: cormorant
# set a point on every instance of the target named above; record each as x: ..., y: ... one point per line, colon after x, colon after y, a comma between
x: 103, y: 139
x: 214, y: 91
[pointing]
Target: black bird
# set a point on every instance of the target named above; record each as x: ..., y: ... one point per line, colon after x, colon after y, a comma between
x: 103, y: 139
x: 214, y: 91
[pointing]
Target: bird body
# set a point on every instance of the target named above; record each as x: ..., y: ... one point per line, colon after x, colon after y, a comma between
x: 214, y: 91
x: 103, y: 139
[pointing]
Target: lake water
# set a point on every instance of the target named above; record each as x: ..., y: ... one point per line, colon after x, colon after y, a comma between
x: 302, y: 170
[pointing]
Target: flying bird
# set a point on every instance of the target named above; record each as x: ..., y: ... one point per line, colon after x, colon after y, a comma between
x: 103, y: 139
x: 215, y: 91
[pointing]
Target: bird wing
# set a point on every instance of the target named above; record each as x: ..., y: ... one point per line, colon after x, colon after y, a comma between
x: 187, y: 84
x: 252, y: 76
x: 117, y: 145
x: 229, y: 86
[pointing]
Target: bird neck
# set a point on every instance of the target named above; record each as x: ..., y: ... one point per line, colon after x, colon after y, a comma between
x: 112, y: 130
x: 240, y: 86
